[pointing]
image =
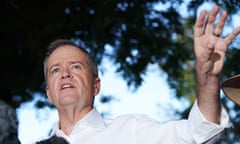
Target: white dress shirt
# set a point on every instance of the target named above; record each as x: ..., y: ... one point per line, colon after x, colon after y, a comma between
x: 141, y: 129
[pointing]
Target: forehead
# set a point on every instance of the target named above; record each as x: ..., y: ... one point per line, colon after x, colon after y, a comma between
x: 67, y: 53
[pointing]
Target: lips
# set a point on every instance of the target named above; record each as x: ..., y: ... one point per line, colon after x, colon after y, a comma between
x: 66, y: 86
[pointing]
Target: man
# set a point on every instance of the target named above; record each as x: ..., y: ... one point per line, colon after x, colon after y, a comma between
x: 72, y: 82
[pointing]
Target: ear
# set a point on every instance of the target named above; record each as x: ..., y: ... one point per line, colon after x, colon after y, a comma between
x: 97, y: 85
x: 48, y: 94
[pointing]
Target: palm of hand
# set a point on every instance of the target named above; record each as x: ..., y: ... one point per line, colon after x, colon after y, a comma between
x: 210, y: 52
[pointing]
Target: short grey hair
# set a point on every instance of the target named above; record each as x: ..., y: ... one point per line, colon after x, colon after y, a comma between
x: 61, y: 42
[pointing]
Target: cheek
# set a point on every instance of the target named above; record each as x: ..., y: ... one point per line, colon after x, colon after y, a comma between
x: 51, y: 90
x: 85, y: 88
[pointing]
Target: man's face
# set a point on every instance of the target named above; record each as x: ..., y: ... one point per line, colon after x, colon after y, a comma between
x: 69, y: 79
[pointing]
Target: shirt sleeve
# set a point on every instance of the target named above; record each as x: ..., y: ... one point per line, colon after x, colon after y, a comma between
x: 194, y: 130
x: 204, y: 130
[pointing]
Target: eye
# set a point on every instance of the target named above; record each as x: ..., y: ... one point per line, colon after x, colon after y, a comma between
x: 76, y: 66
x: 55, y: 70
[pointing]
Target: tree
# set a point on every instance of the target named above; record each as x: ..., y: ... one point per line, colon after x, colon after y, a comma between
x: 138, y: 33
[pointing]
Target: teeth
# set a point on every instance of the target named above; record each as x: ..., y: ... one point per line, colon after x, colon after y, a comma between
x: 66, y: 86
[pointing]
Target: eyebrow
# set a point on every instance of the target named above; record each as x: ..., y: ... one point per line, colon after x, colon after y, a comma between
x: 71, y: 62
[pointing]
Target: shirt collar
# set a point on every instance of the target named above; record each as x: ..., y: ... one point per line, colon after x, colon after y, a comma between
x: 93, y: 118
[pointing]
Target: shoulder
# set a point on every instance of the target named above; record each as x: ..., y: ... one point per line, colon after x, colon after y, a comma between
x: 131, y: 119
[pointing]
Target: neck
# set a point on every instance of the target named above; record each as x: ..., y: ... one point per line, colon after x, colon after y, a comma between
x: 68, y: 117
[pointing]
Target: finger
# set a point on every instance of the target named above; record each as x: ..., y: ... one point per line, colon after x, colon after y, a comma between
x: 200, y: 24
x: 231, y: 36
x: 211, y: 19
x: 219, y: 27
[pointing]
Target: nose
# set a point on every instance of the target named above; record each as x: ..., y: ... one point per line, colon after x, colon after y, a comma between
x: 66, y: 74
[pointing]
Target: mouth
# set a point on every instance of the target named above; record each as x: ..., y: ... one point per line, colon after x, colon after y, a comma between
x: 66, y: 86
